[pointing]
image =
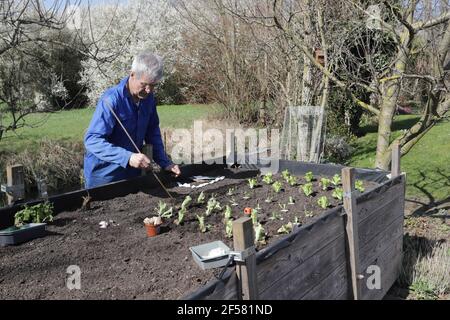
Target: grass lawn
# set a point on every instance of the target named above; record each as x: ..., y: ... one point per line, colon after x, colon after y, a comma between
x: 70, y: 125
x: 427, y: 165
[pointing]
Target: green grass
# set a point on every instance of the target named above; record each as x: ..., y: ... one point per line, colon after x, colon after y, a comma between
x: 427, y: 165
x: 70, y: 125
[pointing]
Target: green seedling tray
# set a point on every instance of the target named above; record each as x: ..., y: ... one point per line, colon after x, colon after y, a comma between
x: 15, y: 235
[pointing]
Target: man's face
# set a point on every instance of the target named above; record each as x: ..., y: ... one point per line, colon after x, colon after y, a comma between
x: 141, y: 87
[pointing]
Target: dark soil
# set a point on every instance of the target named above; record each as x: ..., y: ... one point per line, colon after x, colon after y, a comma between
x: 121, y: 262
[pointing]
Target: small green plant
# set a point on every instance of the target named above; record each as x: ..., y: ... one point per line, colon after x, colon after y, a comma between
x: 292, y: 180
x: 163, y: 210
x: 291, y: 200
x: 181, y: 214
x: 309, y: 176
x: 229, y: 228
x: 201, y: 198
x: 276, y: 216
x: 285, y: 174
x: 252, y: 182
x: 308, y: 213
x: 336, y: 180
x: 246, y: 195
x: 39, y: 213
x: 277, y: 186
x: 297, y: 221
x: 338, y: 193
x: 307, y: 189
x: 254, y: 216
x: 323, y: 202
x: 286, y: 228
x: 260, y: 234
x: 227, y: 213
x: 201, y: 221
x: 230, y: 192
x: 325, y: 183
x: 212, y: 205
x: 359, y: 186
x: 186, y: 202
x: 268, y: 178
x: 283, y: 207
x: 233, y: 202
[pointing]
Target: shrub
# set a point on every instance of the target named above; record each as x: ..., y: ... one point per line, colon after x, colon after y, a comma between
x: 337, y: 150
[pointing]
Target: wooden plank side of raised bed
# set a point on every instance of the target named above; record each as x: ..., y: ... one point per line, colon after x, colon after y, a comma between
x: 389, y: 264
x: 306, y: 245
x: 370, y: 202
x: 380, y: 219
x: 309, y: 272
x: 381, y: 242
x: 334, y: 287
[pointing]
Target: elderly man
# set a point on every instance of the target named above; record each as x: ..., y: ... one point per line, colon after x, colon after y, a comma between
x: 124, y: 118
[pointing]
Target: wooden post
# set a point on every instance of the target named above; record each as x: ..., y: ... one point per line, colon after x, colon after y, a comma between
x: 243, y: 238
x: 15, y: 178
x: 348, y: 183
x: 395, y: 161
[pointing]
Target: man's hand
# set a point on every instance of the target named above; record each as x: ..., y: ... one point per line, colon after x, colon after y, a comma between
x: 139, y: 161
x: 174, y: 169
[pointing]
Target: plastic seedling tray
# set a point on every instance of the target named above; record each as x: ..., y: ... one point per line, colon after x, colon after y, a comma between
x: 211, y: 255
x: 13, y: 235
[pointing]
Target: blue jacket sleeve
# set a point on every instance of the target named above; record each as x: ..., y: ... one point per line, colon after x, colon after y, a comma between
x: 153, y: 137
x: 100, y: 128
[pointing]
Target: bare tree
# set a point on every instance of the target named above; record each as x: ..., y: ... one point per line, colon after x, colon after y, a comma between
x: 29, y: 31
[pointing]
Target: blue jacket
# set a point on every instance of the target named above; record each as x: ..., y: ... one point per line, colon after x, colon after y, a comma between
x: 108, y: 149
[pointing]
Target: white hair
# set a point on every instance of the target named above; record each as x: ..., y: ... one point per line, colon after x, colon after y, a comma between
x: 149, y: 64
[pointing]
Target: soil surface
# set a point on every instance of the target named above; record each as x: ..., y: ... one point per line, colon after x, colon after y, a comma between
x: 121, y: 262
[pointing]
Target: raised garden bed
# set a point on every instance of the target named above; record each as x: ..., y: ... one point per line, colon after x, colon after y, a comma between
x: 121, y: 262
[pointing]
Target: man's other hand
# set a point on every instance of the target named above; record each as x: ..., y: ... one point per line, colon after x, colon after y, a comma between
x: 174, y: 169
x: 139, y: 161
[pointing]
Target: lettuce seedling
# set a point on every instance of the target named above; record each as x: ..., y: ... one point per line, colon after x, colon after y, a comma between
x: 285, y: 174
x: 201, y: 198
x: 275, y: 216
x: 201, y: 221
x: 246, y: 195
x: 336, y: 180
x: 260, y: 234
x: 233, y: 202
x: 276, y: 186
x: 252, y: 182
x: 254, y: 216
x: 229, y: 228
x: 308, y: 214
x: 283, y: 207
x: 286, y: 228
x: 163, y: 211
x: 186, y: 202
x: 291, y: 200
x: 309, y: 176
x: 227, y: 213
x: 268, y: 178
x: 230, y: 192
x: 35, y: 214
x: 212, y: 205
x: 323, y: 202
x: 307, y: 189
x: 338, y: 193
x: 292, y: 180
x: 181, y: 214
x: 359, y: 186
x: 325, y: 183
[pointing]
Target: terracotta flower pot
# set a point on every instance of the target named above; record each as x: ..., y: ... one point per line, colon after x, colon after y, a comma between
x: 152, y: 230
